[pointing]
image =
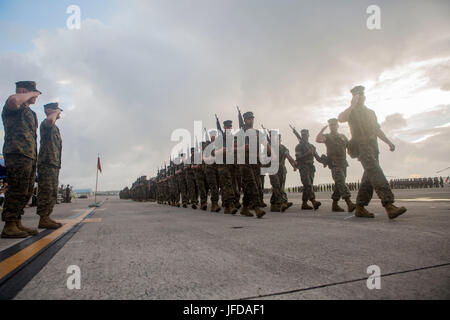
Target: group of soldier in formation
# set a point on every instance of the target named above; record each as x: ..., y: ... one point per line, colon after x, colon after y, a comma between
x: 182, y: 184
x: 22, y: 160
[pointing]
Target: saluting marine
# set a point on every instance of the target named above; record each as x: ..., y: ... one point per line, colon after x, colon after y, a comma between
x: 49, y: 164
x: 336, y: 160
x: 365, y: 132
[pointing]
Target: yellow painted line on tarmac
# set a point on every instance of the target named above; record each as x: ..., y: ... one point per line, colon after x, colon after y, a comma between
x: 92, y: 220
x: 10, y: 264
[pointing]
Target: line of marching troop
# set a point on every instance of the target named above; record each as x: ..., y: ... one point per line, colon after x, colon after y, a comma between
x: 183, y: 184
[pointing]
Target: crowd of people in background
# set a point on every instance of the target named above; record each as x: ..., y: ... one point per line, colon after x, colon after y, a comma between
x: 412, y: 183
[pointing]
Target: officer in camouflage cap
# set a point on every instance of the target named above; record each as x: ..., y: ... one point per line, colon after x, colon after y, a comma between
x: 20, y: 153
x: 336, y: 144
x: 200, y: 180
x: 226, y: 171
x: 365, y: 131
x: 250, y: 172
x: 49, y: 165
x: 279, y: 201
x: 212, y: 178
x: 305, y: 153
x: 190, y: 181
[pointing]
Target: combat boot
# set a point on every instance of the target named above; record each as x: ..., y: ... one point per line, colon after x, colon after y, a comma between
x: 178, y: 204
x: 215, y: 207
x: 246, y: 212
x: 316, y: 204
x: 194, y: 206
x: 204, y: 206
x: 259, y: 212
x: 306, y: 206
x: 58, y: 223
x: 275, y: 208
x: 10, y: 230
x: 361, y: 212
x: 335, y: 207
x: 350, y: 205
x: 262, y: 204
x: 237, y: 205
x: 46, y: 223
x: 21, y: 227
x: 393, y: 211
x: 233, y: 210
x: 184, y: 205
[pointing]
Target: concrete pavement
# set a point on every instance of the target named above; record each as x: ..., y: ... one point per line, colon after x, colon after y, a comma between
x: 148, y: 251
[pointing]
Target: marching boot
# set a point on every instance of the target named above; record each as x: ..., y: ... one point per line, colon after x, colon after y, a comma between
x: 335, y: 207
x: 262, y: 204
x: 233, y: 210
x: 246, y: 212
x: 46, y: 223
x: 275, y: 208
x: 316, y: 204
x: 306, y: 206
x: 184, y: 205
x: 288, y: 204
x: 215, y: 207
x: 58, y: 223
x: 259, y: 212
x: 237, y: 205
x: 31, y: 232
x: 361, y: 212
x: 204, y: 206
x: 284, y: 207
x: 393, y: 211
x: 178, y: 204
x: 350, y: 205
x: 194, y: 206
x: 10, y: 230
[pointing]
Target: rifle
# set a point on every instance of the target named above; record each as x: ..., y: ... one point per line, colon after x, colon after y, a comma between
x: 299, y: 137
x: 241, y: 119
x: 267, y: 134
x: 219, y: 127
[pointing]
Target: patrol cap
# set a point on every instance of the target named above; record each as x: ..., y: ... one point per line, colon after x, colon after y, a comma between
x: 305, y: 131
x: 213, y: 132
x: 333, y: 121
x: 248, y: 115
x: 228, y: 123
x: 357, y: 90
x: 52, y: 105
x: 29, y: 85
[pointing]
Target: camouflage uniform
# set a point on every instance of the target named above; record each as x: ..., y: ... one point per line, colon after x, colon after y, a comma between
x: 306, y: 169
x: 336, y: 144
x: 49, y: 165
x: 251, y: 182
x: 212, y: 179
x: 363, y: 126
x: 182, y: 186
x: 20, y: 153
x: 200, y: 180
x: 190, y: 184
x: 278, y: 180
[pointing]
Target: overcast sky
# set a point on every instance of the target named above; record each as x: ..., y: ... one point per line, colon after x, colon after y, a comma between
x: 138, y: 70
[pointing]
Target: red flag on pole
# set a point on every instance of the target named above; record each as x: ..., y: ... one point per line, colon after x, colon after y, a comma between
x: 446, y: 180
x: 99, y: 166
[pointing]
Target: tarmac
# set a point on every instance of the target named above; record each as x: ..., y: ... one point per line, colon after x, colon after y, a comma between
x: 143, y: 250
